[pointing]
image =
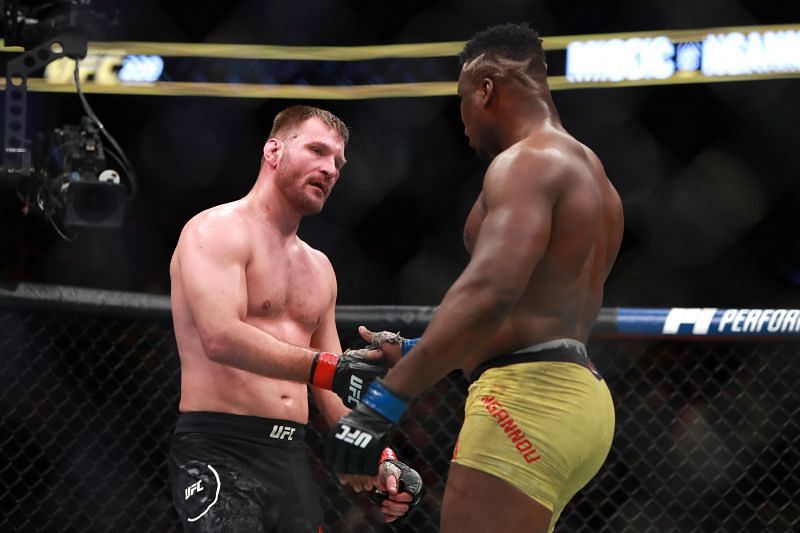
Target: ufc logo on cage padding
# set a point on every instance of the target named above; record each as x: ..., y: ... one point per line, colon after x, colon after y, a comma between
x: 354, y: 436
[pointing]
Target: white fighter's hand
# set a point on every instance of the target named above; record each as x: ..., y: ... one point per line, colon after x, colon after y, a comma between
x: 358, y: 483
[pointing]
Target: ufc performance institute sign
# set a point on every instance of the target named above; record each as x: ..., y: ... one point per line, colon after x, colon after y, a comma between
x: 709, y: 321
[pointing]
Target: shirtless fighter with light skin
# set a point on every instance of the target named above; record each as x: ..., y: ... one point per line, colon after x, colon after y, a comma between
x: 253, y: 311
x: 543, y: 235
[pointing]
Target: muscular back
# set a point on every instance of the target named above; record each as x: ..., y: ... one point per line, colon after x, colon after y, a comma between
x: 235, y: 277
x: 549, y: 195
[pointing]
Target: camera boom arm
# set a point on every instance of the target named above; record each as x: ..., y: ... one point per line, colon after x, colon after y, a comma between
x: 16, y: 162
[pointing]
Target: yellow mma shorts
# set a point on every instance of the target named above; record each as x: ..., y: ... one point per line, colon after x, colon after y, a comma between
x: 539, y: 421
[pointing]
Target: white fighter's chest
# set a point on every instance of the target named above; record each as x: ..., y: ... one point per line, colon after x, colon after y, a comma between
x: 287, y: 286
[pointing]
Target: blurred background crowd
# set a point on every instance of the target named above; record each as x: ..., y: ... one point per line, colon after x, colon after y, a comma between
x: 708, y: 173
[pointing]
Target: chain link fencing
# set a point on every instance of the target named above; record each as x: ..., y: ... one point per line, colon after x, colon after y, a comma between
x: 707, y: 437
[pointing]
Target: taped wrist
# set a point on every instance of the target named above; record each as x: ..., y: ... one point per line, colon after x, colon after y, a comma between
x: 409, y: 479
x: 407, y: 344
x: 323, y: 370
x: 387, y: 454
x: 384, y: 401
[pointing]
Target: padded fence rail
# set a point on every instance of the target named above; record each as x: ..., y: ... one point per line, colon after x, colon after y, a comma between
x: 707, y: 404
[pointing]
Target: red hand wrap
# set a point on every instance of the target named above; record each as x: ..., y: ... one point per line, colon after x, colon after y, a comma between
x: 387, y: 453
x: 323, y: 369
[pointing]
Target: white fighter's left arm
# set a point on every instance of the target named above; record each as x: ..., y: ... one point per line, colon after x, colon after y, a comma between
x: 326, y: 338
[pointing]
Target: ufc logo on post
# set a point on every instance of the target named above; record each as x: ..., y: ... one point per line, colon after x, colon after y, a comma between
x: 354, y: 436
x: 356, y: 384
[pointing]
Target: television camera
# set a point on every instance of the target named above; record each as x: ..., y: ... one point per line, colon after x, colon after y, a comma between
x: 76, y: 175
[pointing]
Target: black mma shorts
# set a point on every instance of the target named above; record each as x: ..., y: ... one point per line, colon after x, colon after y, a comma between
x: 233, y: 473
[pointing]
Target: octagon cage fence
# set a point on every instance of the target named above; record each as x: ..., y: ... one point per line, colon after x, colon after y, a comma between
x: 707, y: 405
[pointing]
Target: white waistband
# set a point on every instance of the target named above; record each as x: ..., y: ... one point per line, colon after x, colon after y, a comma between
x: 555, y: 344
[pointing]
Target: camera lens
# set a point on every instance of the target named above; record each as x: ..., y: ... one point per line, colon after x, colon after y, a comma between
x: 94, y: 202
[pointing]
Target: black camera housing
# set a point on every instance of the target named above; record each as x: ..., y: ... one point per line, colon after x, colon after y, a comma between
x: 76, y: 181
x: 28, y: 24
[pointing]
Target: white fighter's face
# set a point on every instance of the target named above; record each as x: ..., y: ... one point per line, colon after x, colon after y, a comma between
x: 309, y: 167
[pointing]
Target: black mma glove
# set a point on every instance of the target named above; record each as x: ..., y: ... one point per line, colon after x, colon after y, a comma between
x: 355, y: 443
x: 409, y: 479
x: 347, y: 375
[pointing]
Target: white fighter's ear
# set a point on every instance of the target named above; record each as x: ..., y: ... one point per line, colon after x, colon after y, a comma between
x: 272, y: 151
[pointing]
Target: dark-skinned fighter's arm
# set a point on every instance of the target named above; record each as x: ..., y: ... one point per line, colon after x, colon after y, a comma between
x: 510, y: 243
x: 512, y: 239
x: 397, y: 500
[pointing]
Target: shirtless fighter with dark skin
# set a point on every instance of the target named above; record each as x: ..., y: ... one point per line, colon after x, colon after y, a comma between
x: 543, y: 235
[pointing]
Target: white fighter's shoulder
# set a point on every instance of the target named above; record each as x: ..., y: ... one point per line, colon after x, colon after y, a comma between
x: 323, y: 264
x: 317, y: 256
x: 218, y: 214
x: 225, y: 222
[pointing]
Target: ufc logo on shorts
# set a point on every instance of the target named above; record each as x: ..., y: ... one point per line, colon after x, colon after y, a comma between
x: 356, y: 384
x: 197, y: 486
x: 354, y: 436
x: 282, y: 432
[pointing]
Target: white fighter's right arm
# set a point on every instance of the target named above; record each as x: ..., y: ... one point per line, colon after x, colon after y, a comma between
x: 212, y: 255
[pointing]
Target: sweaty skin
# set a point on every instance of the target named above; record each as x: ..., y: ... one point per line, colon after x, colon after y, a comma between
x: 251, y: 301
x: 281, y: 288
x: 542, y: 235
